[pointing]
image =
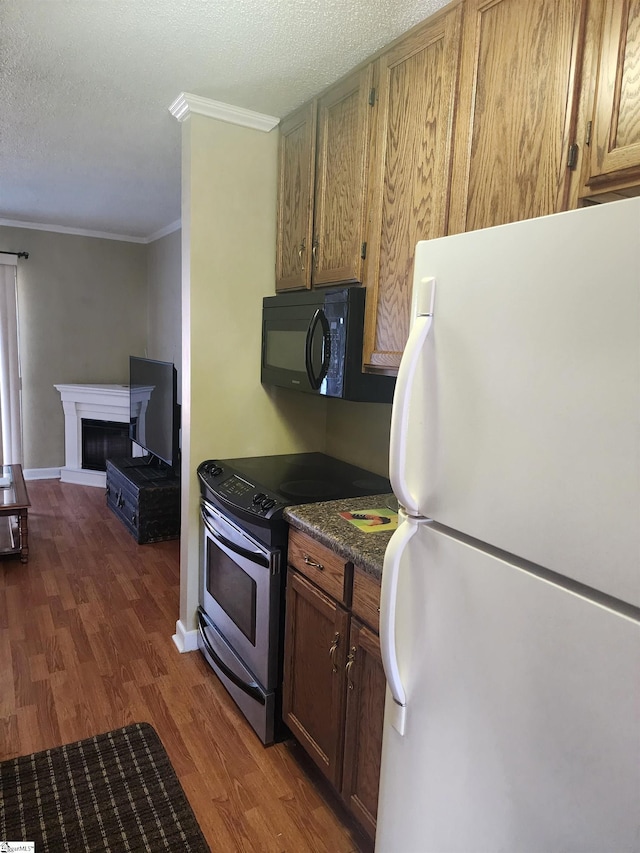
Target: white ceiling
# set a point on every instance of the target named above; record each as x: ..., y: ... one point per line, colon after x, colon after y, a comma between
x: 86, y: 138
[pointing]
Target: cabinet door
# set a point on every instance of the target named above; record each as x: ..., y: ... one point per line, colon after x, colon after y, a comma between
x: 364, y: 722
x: 341, y: 180
x: 411, y: 170
x: 295, y: 199
x: 615, y: 145
x: 314, y: 659
x: 519, y: 93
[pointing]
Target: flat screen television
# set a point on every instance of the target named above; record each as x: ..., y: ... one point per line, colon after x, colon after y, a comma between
x: 153, y: 408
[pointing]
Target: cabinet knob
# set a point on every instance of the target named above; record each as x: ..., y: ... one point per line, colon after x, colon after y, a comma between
x: 301, y: 250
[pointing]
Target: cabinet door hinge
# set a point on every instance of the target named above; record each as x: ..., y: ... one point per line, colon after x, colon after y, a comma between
x: 572, y: 159
x: 588, y: 138
x: 372, y: 97
x: 363, y: 251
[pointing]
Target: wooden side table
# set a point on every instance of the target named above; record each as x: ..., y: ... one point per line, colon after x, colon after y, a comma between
x: 14, y: 503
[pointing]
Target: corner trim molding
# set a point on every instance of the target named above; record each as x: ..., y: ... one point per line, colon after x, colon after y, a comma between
x: 185, y: 104
x: 185, y: 641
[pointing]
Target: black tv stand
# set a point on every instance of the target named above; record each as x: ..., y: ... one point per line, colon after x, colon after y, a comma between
x: 145, y: 497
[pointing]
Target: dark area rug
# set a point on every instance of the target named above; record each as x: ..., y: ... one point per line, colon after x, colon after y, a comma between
x: 115, y: 791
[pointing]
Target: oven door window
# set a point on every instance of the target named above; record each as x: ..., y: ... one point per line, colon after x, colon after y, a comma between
x: 234, y: 590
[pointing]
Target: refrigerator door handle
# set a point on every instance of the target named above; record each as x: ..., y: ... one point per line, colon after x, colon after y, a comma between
x: 420, y: 328
x: 388, y: 600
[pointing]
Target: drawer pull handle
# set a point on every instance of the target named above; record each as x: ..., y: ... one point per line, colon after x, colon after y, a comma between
x: 332, y: 651
x: 309, y: 562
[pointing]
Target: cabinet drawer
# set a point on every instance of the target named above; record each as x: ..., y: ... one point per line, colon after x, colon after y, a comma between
x: 366, y: 598
x: 318, y: 563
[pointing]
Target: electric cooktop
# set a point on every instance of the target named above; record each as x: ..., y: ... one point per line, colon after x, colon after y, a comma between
x: 260, y: 487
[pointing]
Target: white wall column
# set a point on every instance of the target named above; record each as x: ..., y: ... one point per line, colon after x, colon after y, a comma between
x: 229, y: 188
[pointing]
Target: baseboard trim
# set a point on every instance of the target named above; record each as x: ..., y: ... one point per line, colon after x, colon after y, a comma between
x: 186, y: 641
x: 84, y: 477
x: 41, y: 473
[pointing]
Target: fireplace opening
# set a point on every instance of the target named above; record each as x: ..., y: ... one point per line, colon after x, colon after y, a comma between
x: 102, y: 440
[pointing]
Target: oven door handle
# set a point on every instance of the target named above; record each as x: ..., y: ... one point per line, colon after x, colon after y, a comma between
x: 250, y: 688
x: 254, y: 556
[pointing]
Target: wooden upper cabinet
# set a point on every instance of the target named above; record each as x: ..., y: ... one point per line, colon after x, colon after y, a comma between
x: 615, y: 136
x: 295, y: 199
x: 410, y: 174
x: 519, y: 94
x: 322, y: 191
x: 341, y: 180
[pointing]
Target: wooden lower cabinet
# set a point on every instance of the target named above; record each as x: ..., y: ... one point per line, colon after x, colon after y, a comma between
x: 316, y: 638
x: 334, y: 690
x: 366, y: 687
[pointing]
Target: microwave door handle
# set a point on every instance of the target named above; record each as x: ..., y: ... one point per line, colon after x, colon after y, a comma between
x: 308, y: 359
x: 253, y: 556
x: 327, y: 345
x: 319, y: 317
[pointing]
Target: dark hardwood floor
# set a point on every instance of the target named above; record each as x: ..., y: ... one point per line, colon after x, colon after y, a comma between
x: 85, y: 647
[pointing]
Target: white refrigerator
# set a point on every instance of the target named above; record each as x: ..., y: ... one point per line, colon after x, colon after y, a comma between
x: 510, y: 612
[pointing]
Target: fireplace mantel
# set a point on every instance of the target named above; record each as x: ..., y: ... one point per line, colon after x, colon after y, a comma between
x: 93, y: 402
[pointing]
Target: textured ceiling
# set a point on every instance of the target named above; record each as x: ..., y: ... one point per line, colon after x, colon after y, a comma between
x: 86, y: 138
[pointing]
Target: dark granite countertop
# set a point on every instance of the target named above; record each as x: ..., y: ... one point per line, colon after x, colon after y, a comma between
x: 323, y: 522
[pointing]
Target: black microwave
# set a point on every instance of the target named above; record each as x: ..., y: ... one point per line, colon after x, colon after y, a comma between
x: 312, y: 342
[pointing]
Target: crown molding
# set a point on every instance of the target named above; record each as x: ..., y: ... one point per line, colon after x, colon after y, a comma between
x: 185, y: 104
x: 163, y: 232
x: 82, y: 232
x: 77, y: 232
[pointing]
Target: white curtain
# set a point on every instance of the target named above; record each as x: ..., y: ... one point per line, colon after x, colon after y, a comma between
x: 10, y: 406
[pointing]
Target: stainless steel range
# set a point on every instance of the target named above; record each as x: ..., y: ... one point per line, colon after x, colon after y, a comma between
x: 244, y: 556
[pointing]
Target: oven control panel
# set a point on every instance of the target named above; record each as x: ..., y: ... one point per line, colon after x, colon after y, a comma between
x: 238, y: 491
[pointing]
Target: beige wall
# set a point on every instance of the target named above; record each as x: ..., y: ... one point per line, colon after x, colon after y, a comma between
x: 228, y: 249
x: 83, y: 307
x: 164, y: 275
x: 355, y: 432
x: 359, y: 433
